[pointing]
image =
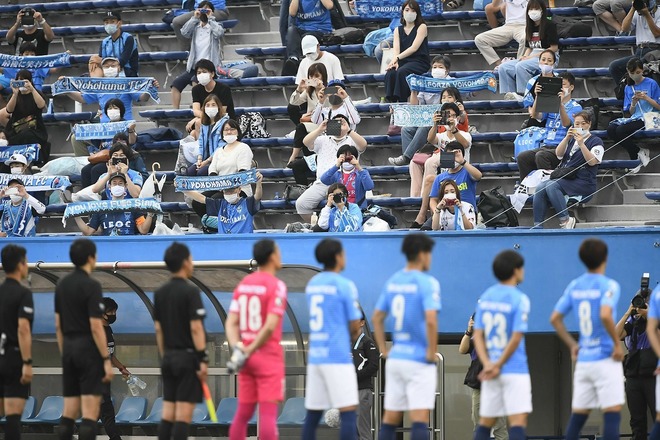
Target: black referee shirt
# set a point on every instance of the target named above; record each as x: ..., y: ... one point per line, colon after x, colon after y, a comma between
x: 176, y: 303
x: 77, y: 299
x: 15, y: 302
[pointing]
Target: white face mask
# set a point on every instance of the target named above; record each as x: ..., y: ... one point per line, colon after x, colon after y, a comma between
x: 410, y: 17
x: 16, y: 199
x: 456, y: 164
x: 347, y: 166
x: 545, y: 68
x: 440, y: 72
x: 232, y: 198
x: 114, y: 114
x: 535, y: 14
x: 567, y: 91
x: 211, y: 112
x: 22, y: 89
x: 110, y: 72
x: 312, y: 56
x: 4, y: 142
x: 204, y: 78
x: 118, y: 191
x: 637, y: 77
x: 110, y: 28
x: 229, y: 138
x: 17, y: 170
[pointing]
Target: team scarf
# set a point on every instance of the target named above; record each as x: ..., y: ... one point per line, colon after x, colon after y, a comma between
x: 30, y: 151
x: 392, y: 8
x: 37, y: 62
x: 106, y: 130
x: 214, y: 183
x: 109, y: 206
x: 105, y: 86
x: 472, y: 83
x: 22, y: 224
x: 37, y: 183
x: 406, y: 115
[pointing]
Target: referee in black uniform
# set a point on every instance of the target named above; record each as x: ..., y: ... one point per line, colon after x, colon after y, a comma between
x: 178, y: 315
x: 16, y: 314
x: 81, y: 339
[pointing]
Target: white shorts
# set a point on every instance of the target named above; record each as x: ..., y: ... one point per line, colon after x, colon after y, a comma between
x: 598, y: 384
x: 506, y: 395
x: 410, y: 385
x: 331, y: 386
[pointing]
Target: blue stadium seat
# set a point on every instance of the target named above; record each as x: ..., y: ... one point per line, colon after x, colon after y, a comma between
x: 29, y: 409
x: 132, y: 409
x: 50, y: 412
x: 154, y: 416
x: 276, y: 173
x: 174, y: 207
x: 226, y: 410
x: 293, y: 412
x: 68, y: 117
x: 653, y: 195
x: 277, y: 204
x: 200, y: 413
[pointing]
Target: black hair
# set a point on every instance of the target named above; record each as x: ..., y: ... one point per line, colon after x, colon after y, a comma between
x: 415, y: 244
x: 15, y: 180
x: 123, y: 147
x: 455, y: 145
x: 505, y: 263
x: 117, y: 103
x: 206, y: 65
x: 326, y: 252
x: 27, y: 46
x: 346, y: 148
x: 205, y: 118
x: 262, y: 251
x: 530, y: 25
x: 12, y: 255
x: 233, y: 124
x: 110, y: 304
x: 552, y: 52
x: 120, y: 136
x: 593, y: 253
x: 81, y: 250
x: 24, y: 74
x: 415, y: 7
x: 335, y: 186
x: 340, y: 116
x: 451, y: 106
x: 584, y: 115
x: 206, y: 4
x: 444, y: 59
x: 175, y: 255
x: 634, y: 64
x: 568, y: 76
x: 313, y: 70
x: 453, y: 91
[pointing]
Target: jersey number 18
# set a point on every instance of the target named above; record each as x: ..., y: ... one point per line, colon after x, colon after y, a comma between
x: 250, y: 313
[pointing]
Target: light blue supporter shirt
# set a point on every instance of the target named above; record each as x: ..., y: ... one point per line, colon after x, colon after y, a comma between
x: 501, y: 311
x: 407, y: 296
x: 587, y: 294
x: 333, y: 303
x: 652, y: 90
x: 654, y: 306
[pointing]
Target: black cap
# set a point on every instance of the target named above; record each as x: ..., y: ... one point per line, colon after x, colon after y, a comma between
x: 112, y: 14
x: 19, y: 181
x: 117, y: 174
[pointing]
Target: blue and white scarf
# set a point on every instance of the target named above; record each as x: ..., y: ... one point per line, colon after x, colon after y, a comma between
x: 406, y: 115
x: 106, y: 130
x: 37, y: 62
x: 21, y: 224
x: 214, y: 183
x: 472, y: 83
x: 30, y: 151
x: 107, y: 86
x: 103, y: 206
x: 37, y: 183
x: 392, y: 8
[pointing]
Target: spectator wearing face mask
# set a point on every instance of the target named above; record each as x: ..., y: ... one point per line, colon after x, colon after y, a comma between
x: 116, y: 223
x: 349, y: 172
x: 18, y: 164
x: 114, y: 110
x: 452, y: 214
x: 235, y: 156
x: 234, y: 212
x: 27, y: 49
x: 411, y: 52
x: 334, y: 100
x: 209, y: 135
x: 119, y: 44
x: 220, y: 13
x: 547, y: 62
x: 20, y: 213
x: 91, y: 173
x: 26, y: 29
x: 340, y: 215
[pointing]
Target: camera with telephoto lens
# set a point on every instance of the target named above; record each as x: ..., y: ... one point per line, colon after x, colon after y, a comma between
x: 639, y: 300
x: 638, y: 5
x: 338, y: 198
x: 118, y: 160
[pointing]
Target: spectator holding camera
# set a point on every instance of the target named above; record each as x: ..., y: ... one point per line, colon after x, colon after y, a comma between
x: 349, y: 172
x: 220, y: 13
x: 304, y: 99
x: 26, y: 29
x: 638, y: 365
x: 122, y: 160
x: 209, y: 135
x: 334, y: 100
x: 92, y: 172
x: 20, y: 213
x: 339, y: 215
x: 451, y: 214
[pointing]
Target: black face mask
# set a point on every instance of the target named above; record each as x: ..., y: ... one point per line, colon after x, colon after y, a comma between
x: 111, y: 318
x: 335, y: 100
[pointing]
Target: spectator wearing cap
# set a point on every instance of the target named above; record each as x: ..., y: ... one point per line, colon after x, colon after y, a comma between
x: 116, y: 223
x: 220, y: 13
x: 18, y: 164
x: 26, y: 29
x: 310, y: 17
x: 20, y: 213
x: 119, y: 44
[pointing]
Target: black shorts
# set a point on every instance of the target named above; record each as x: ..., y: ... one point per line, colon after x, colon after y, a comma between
x: 11, y: 370
x: 82, y: 368
x: 180, y: 381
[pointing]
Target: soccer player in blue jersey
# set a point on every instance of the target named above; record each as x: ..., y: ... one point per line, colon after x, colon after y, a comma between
x: 334, y: 323
x: 500, y: 325
x: 598, y: 376
x: 653, y: 320
x: 412, y: 298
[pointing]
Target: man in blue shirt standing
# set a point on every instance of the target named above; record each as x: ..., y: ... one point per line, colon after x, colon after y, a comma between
x: 598, y: 377
x: 334, y: 323
x: 119, y: 44
x: 654, y: 339
x: 412, y: 298
x: 500, y: 325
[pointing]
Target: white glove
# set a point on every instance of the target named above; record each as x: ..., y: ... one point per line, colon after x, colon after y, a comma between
x: 237, y: 360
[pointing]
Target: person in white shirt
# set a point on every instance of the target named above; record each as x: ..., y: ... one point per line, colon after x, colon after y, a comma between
x: 325, y: 148
x: 513, y: 29
x: 452, y: 214
x: 234, y: 157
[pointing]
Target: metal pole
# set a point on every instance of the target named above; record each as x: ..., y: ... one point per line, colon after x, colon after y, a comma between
x: 107, y: 265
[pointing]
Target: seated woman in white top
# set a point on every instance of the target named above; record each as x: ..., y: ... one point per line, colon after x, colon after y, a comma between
x: 451, y: 214
x: 234, y: 157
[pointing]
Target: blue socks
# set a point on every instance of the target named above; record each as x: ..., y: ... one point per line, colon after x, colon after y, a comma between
x: 517, y: 433
x: 387, y: 432
x: 655, y: 432
x: 575, y: 424
x: 482, y: 433
x: 311, y: 422
x: 420, y: 431
x: 348, y: 423
x: 612, y: 420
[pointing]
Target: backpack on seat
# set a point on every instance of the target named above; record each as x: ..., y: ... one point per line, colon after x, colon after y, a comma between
x: 253, y: 125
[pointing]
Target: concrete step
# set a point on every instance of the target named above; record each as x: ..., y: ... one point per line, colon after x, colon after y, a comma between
x: 629, y: 212
x: 636, y: 196
x: 610, y: 224
x: 252, y: 38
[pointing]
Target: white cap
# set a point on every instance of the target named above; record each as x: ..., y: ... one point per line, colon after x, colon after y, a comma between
x: 16, y: 158
x: 309, y: 44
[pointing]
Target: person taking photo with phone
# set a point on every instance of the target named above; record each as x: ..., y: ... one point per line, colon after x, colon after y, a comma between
x: 451, y: 213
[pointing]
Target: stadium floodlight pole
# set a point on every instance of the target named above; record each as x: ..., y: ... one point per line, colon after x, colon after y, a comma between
x: 117, y: 265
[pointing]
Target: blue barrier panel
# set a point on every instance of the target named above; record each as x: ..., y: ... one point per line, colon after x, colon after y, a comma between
x: 462, y: 262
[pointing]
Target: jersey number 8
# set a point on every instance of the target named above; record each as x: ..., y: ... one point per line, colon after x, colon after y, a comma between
x: 250, y: 313
x: 584, y: 314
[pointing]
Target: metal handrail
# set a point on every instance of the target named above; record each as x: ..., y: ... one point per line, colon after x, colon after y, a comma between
x: 108, y: 265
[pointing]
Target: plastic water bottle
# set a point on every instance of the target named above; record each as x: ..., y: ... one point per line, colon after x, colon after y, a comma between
x: 132, y: 385
x: 315, y: 219
x: 139, y: 382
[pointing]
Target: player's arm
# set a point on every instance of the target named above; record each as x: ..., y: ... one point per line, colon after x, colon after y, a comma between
x: 58, y: 332
x: 608, y: 323
x: 431, y: 334
x: 159, y: 338
x: 371, y: 367
x: 480, y: 346
x: 272, y: 321
x: 25, y: 345
x: 621, y: 325
x: 98, y: 334
x: 557, y: 321
x: 510, y: 348
x: 232, y: 329
x: 122, y: 369
x: 377, y: 320
x: 199, y: 341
